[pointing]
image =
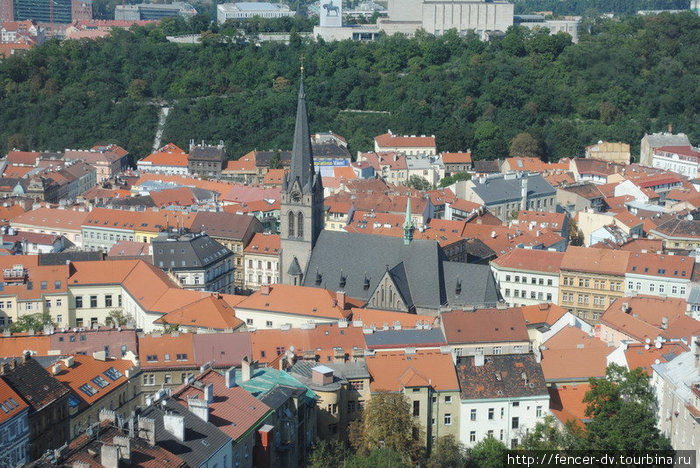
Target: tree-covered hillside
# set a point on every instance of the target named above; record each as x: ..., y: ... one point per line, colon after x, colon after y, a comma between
x: 625, y: 78
x: 581, y: 7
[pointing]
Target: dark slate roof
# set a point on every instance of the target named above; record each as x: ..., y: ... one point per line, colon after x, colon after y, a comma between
x: 687, y: 225
x: 34, y: 384
x: 341, y: 372
x: 468, y: 284
x: 280, y: 394
x: 403, y: 338
x: 262, y: 158
x: 418, y: 269
x: 588, y: 191
x: 657, y: 140
x: 302, y: 165
x: 225, y: 225
x: 330, y: 150
x: 63, y: 257
x: 360, y: 256
x: 202, y: 440
x: 501, y: 376
x: 199, y: 251
x: 139, y: 200
x: 486, y: 166
x: 208, y: 153
x: 479, y: 250
x: 508, y: 187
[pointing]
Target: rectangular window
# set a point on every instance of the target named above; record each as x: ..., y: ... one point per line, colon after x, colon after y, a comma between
x: 496, y: 350
x: 490, y: 413
x: 59, y: 318
x: 108, y: 300
x: 448, y: 400
x: 181, y: 356
x: 448, y: 419
x: 538, y: 412
x: 472, y: 415
x: 268, y: 323
x: 416, y: 408
x: 515, y: 423
x: 78, y: 302
x: 93, y: 301
x: 472, y: 436
x: 168, y: 379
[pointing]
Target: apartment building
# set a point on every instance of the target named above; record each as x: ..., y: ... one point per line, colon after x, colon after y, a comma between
x: 528, y: 276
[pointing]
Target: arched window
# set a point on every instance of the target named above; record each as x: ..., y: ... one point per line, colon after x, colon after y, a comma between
x: 291, y: 224
x: 300, y: 224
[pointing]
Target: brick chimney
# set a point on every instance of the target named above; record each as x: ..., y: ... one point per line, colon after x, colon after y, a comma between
x: 265, y: 290
x: 340, y: 299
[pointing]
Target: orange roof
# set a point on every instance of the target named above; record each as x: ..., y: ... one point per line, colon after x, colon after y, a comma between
x: 456, y: 158
x: 556, y: 180
x: 12, y: 403
x: 394, y: 371
x: 254, y: 206
x: 628, y: 219
x: 637, y: 245
x: 464, y: 205
x: 264, y: 244
x: 51, y: 218
x: 181, y: 196
x: 591, y: 260
x: 27, y: 158
x: 8, y: 213
x: 161, y: 158
x: 379, y: 318
x: 244, y: 163
x: 15, y: 345
x: 17, y: 172
x: 274, y: 177
x: 660, y: 265
x: 484, y: 326
x: 531, y: 260
x: 345, y: 172
x: 83, y: 372
x: 541, y: 219
x: 566, y: 403
x: 638, y: 356
x: 299, y: 300
x: 162, y: 351
x: 643, y: 319
x: 389, y: 140
x: 322, y: 340
x: 543, y: 313
x: 441, y: 196
x: 42, y: 280
x: 211, y: 313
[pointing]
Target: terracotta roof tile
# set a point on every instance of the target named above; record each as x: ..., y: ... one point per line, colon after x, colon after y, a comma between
x: 643, y: 319
x: 389, y: 140
x: 162, y: 158
x: 532, y: 260
x: 660, y: 265
x: 166, y: 351
x: 393, y: 371
x: 379, y: 318
x: 542, y: 313
x: 501, y: 377
x: 484, y: 325
x: 210, y: 313
x: 566, y: 403
x: 264, y: 244
x: 10, y: 402
x: 456, y: 158
x: 638, y: 356
x: 274, y: 177
x: 51, y: 218
x: 604, y: 261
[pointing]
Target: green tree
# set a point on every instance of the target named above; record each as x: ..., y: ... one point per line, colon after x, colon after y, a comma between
x: 449, y: 180
x: 575, y: 234
x: 419, y: 183
x: 380, y: 457
x: 447, y: 452
x: 486, y: 454
x: 118, y: 318
x: 328, y: 454
x: 137, y: 89
x: 276, y: 160
x: 524, y: 145
x: 387, y: 423
x: 620, y: 408
x: 28, y: 322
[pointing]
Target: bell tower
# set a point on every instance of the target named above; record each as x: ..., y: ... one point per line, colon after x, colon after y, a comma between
x: 301, y: 210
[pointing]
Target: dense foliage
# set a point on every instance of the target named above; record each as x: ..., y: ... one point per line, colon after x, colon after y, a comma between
x: 580, y: 7
x: 625, y: 78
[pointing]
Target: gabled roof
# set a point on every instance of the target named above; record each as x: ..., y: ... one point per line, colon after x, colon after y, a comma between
x: 591, y: 260
x: 566, y: 403
x: 164, y: 159
x: 389, y: 140
x: 501, y: 376
x: 456, y: 158
x: 542, y: 314
x: 90, y: 379
x: 380, y: 318
x: 507, y: 187
x: 661, y: 265
x: 10, y: 403
x: 394, y: 371
x: 264, y: 244
x: 484, y: 326
x: 639, y: 357
x: 299, y: 300
x: 573, y: 355
x: 233, y: 410
x: 51, y: 218
x: 209, y: 313
x: 224, y: 225
x: 643, y: 317
x: 36, y: 386
x: 418, y: 338
x: 543, y: 261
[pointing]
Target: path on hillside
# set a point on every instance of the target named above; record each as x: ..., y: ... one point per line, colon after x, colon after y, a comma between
x: 162, y: 117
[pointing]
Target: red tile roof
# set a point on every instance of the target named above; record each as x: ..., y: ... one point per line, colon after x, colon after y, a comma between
x: 389, y: 140
x: 566, y: 403
x: 643, y: 319
x: 208, y: 313
x: 531, y: 260
x: 85, y: 369
x: 10, y: 402
x: 161, y: 351
x: 264, y: 244
x: 638, y: 356
x: 25, y: 158
x: 299, y: 300
x: 542, y: 313
x: 394, y: 371
x: 456, y: 158
x: 165, y: 159
x: 484, y: 326
x: 274, y: 177
x: 379, y: 318
x: 591, y: 260
x: 51, y: 218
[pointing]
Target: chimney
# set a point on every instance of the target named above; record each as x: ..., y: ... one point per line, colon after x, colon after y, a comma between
x: 68, y: 361
x: 199, y: 408
x: 175, y: 424
x: 26, y: 355
x: 124, y: 444
x: 322, y: 375
x: 209, y: 393
x: 107, y: 415
x: 99, y: 355
x: 245, y: 369
x: 56, y: 369
x: 664, y: 323
x: 340, y: 298
x: 147, y: 430
x: 230, y: 377
x: 265, y: 290
x: 523, y: 193
x: 478, y: 360
x: 109, y: 456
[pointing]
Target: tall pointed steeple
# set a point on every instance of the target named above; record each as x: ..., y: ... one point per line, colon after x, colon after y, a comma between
x: 302, y: 167
x: 408, y: 223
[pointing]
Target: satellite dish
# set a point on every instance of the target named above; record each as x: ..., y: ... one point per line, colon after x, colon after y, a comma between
x: 646, y: 346
x: 648, y: 340
x: 658, y: 345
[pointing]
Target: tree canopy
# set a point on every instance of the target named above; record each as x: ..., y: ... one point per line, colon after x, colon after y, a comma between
x: 624, y: 78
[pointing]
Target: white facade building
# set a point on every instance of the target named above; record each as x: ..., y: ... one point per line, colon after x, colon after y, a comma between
x: 683, y: 160
x: 660, y: 275
x: 528, y: 276
x: 507, y: 407
x: 247, y: 10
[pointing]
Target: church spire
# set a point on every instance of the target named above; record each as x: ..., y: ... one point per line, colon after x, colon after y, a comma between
x: 408, y: 223
x: 302, y: 167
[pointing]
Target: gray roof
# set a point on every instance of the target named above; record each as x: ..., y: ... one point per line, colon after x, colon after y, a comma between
x: 419, y: 270
x: 694, y: 294
x: 360, y: 256
x: 402, y: 338
x: 681, y: 373
x: 197, y: 251
x: 341, y: 372
x: 225, y: 225
x: 468, y: 284
x: 302, y: 167
x: 202, y: 440
x: 657, y: 140
x: 330, y: 150
x: 280, y: 394
x: 208, y: 153
x: 74, y: 256
x: 507, y: 188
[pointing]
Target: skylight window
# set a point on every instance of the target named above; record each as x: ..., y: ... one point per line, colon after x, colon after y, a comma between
x: 113, y: 374
x: 100, y: 381
x: 88, y: 389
